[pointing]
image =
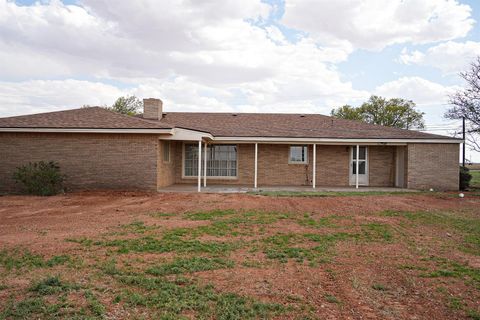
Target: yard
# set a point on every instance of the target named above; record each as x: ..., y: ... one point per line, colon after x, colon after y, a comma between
x: 240, y: 256
x: 475, y: 182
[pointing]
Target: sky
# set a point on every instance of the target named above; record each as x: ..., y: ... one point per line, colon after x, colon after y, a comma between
x: 296, y: 56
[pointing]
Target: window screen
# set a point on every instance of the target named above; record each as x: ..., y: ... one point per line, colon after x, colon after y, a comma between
x: 221, y: 160
x: 298, y: 154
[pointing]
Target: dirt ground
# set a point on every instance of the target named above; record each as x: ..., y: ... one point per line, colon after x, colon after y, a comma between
x: 414, y: 256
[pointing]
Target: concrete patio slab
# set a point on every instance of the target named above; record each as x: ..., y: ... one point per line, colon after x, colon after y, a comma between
x: 244, y: 189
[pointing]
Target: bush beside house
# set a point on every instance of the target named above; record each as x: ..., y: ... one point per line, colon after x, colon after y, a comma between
x: 40, y: 178
x: 465, y: 178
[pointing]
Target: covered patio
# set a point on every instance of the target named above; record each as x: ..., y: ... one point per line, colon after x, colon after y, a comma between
x: 206, y: 165
x: 188, y: 188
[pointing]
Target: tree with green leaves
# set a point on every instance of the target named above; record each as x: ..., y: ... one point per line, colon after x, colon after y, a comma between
x: 399, y: 113
x: 466, y: 104
x: 129, y: 105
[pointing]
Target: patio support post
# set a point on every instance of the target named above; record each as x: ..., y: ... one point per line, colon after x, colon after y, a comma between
x: 356, y: 166
x: 314, y: 166
x: 199, y: 165
x: 256, y: 165
x: 205, y: 166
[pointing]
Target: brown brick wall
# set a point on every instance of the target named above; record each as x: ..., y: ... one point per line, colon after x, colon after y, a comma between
x: 381, y: 166
x: 90, y: 161
x: 123, y: 161
x: 433, y: 166
x: 332, y: 165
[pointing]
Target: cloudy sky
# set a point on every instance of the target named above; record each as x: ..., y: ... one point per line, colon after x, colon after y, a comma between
x: 223, y: 55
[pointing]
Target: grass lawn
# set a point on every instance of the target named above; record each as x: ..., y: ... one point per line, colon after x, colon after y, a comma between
x: 475, y: 182
x: 249, y: 262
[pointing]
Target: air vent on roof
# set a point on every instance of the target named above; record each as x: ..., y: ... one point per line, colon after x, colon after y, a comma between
x: 234, y: 115
x: 302, y: 116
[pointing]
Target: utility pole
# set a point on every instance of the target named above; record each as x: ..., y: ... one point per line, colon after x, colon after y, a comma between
x: 463, y: 146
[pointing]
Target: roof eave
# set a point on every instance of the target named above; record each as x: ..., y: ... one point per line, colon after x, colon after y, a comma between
x: 259, y: 139
x: 88, y: 130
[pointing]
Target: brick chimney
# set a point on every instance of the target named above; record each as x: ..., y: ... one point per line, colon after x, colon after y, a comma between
x: 152, y: 108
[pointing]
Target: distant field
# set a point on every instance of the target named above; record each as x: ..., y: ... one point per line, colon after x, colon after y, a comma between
x: 474, y: 166
x: 475, y: 183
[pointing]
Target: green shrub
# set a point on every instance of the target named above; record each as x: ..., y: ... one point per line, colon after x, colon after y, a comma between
x: 465, y: 178
x: 40, y: 178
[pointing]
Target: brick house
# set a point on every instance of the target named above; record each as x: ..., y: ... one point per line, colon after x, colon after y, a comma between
x: 99, y: 149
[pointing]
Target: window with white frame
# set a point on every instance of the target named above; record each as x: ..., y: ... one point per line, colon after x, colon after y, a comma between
x: 298, y: 154
x: 166, y: 151
x: 221, y: 160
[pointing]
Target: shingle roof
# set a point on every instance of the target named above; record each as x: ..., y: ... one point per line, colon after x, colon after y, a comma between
x: 84, y: 118
x: 287, y: 125
x: 218, y: 124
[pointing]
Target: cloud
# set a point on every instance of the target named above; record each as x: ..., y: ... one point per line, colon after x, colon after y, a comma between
x: 450, y: 57
x: 50, y: 95
x: 185, y: 52
x: 421, y: 91
x: 374, y: 24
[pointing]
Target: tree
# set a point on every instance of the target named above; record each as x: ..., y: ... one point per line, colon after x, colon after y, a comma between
x: 347, y: 112
x: 399, y: 113
x: 466, y: 104
x: 129, y: 105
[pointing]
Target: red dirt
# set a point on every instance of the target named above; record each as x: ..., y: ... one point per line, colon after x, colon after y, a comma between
x: 42, y: 223
x: 31, y: 221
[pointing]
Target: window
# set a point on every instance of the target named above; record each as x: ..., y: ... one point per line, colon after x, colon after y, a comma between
x: 362, y: 160
x: 298, y: 154
x: 166, y: 151
x: 221, y: 160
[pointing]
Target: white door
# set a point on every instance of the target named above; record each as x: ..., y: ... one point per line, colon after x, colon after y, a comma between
x: 362, y: 166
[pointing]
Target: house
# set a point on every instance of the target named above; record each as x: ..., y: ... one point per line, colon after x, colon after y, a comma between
x: 97, y: 148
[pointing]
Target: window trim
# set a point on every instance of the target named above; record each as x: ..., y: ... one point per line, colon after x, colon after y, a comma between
x: 202, y: 173
x: 290, y: 161
x: 164, y: 147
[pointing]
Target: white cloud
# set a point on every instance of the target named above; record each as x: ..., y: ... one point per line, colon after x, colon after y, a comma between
x: 50, y: 95
x: 450, y: 57
x: 430, y: 97
x: 185, y: 52
x: 375, y: 24
x: 421, y: 91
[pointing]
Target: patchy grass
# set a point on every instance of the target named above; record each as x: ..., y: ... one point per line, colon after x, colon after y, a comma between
x: 151, y: 272
x: 138, y: 227
x: 448, y: 268
x: 331, y: 299
x: 173, y: 298
x: 188, y: 265
x: 209, y: 215
x: 464, y: 224
x: 51, y: 285
x: 49, y: 298
x: 20, y: 259
x: 331, y: 221
x: 167, y: 244
x: 376, y: 232
x: 379, y: 287
x: 283, y: 247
